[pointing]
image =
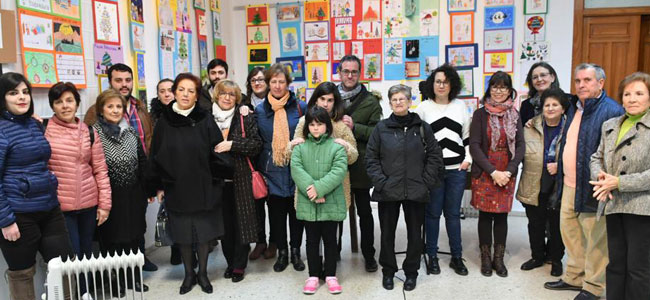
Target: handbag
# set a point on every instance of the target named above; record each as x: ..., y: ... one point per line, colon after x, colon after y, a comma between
x: 260, y: 190
x: 163, y: 236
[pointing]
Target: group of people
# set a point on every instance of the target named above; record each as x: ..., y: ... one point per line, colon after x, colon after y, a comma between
x: 66, y: 182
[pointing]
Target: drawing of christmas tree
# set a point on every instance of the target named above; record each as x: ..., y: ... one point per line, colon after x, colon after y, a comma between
x: 290, y: 42
x: 105, y: 24
x: 314, y: 78
x: 389, y: 29
x: 182, y: 47
x: 106, y: 61
x: 372, y: 68
x: 321, y: 13
x: 257, y: 19
x: 258, y: 37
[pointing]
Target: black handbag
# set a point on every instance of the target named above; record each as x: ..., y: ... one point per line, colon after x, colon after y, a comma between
x: 163, y: 237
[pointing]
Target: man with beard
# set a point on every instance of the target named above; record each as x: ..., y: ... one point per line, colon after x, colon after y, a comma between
x: 217, y: 70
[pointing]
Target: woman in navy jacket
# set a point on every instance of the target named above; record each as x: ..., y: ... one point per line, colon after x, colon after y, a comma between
x: 277, y: 118
x: 30, y: 216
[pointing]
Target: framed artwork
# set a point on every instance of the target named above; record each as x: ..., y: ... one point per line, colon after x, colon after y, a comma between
x: 288, y: 12
x: 183, y: 16
x: 338, y: 50
x: 106, y: 22
x: 467, y: 82
x: 317, y: 51
x: 70, y: 9
x: 499, y: 17
x: 462, y: 55
x: 317, y: 31
x: 259, y: 54
x: 316, y: 10
x: 71, y: 68
x: 335, y: 71
x: 471, y: 104
x: 499, y: 2
x: 257, y: 34
x: 35, y: 5
x: 342, y: 31
x: 257, y: 15
x: 200, y: 4
x: 430, y: 64
x: 216, y: 25
x: 201, y: 23
x: 105, y: 56
x: 67, y: 36
x: 498, y: 39
x: 535, y: 51
x: 412, y: 48
x: 393, y: 51
x: 102, y: 82
x: 295, y: 65
x: 535, y: 7
x: 372, y: 66
x: 342, y: 8
x: 316, y: 73
x: 135, y: 10
x: 412, y: 69
x: 39, y: 68
x: 36, y: 30
x: 535, y: 28
x: 462, y: 28
x: 137, y: 37
x: 140, y: 73
x: 461, y: 5
x: 497, y: 61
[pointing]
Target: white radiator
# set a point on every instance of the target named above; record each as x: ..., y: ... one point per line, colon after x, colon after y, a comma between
x: 71, y: 270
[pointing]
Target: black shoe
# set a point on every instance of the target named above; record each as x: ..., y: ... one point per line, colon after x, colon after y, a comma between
x: 175, y: 258
x: 297, y: 263
x: 560, y: 285
x: 457, y: 264
x: 433, y: 267
x: 204, y: 283
x: 237, y: 277
x: 282, y: 262
x: 371, y: 265
x: 149, y: 266
x: 584, y: 295
x: 556, y: 268
x: 387, y: 282
x: 188, y: 284
x: 141, y: 287
x: 409, y: 283
x: 228, y: 273
x: 532, y: 264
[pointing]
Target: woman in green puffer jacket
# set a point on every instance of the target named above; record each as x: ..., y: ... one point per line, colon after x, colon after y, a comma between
x: 318, y: 167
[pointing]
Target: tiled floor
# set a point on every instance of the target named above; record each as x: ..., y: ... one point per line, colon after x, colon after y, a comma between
x: 262, y: 283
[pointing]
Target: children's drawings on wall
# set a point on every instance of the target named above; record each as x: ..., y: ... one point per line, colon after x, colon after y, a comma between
x: 295, y: 65
x: 37, y: 5
x: 107, y: 28
x: 372, y: 66
x: 393, y: 51
x: 183, y: 16
x: 535, y: 7
x: 316, y: 73
x: 201, y: 23
x: 535, y: 51
x: 39, y: 68
x: 66, y: 8
x: 316, y: 10
x: 499, y: 2
x: 259, y: 54
x: 183, y: 53
x: 257, y: 15
x: 535, y: 28
x: 317, y: 51
x: 257, y: 34
x: 467, y: 82
x: 166, y: 48
x: 67, y: 36
x: 343, y: 29
x: 165, y: 13
x: 462, y: 55
x: 135, y: 11
x: 140, y: 70
x: 429, y: 22
x: 137, y: 37
x: 288, y: 12
x: 370, y: 25
x: 462, y: 28
x: 70, y: 68
x: 36, y: 32
x: 499, y: 17
x: 338, y: 51
x: 106, y: 56
x: 289, y: 29
x: 461, y: 5
x: 342, y: 8
x: 216, y: 26
x: 497, y: 61
x: 316, y: 31
x: 498, y: 39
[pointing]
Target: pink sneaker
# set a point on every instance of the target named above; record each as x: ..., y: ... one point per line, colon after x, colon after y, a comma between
x: 333, y: 285
x: 311, y: 285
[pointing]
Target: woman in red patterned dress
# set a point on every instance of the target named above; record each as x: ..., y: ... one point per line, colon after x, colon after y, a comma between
x: 496, y: 142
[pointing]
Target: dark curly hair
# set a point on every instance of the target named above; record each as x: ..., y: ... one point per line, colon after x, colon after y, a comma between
x: 427, y: 89
x: 555, y: 93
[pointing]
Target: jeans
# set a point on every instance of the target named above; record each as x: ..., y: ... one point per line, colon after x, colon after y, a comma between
x: 81, y: 227
x: 447, y: 199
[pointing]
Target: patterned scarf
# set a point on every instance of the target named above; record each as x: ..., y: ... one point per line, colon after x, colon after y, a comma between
x: 280, y: 130
x: 348, y: 95
x: 552, y: 148
x: 510, y: 116
x: 536, y: 103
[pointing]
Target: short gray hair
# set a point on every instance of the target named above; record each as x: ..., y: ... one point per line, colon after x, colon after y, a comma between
x: 600, y: 73
x: 399, y: 88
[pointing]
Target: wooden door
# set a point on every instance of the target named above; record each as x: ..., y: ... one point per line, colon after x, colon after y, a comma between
x: 644, y: 57
x: 613, y: 43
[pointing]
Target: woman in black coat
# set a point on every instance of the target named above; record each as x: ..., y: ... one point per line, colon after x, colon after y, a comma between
x: 240, y: 214
x: 188, y: 173
x: 403, y: 165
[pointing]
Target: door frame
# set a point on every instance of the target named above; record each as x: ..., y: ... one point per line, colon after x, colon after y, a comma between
x: 580, y: 12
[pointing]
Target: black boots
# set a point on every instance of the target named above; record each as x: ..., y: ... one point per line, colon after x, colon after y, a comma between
x: 497, y: 263
x: 532, y: 264
x: 298, y: 265
x: 486, y: 260
x: 282, y: 262
x: 433, y: 267
x: 458, y: 266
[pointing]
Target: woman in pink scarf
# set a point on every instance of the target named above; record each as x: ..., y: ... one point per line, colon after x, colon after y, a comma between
x: 496, y: 142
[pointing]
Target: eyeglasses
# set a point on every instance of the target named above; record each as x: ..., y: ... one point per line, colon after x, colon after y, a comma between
x: 441, y: 83
x: 227, y: 94
x: 350, y: 72
x: 500, y: 89
x: 541, y: 75
x: 398, y: 100
x: 257, y: 81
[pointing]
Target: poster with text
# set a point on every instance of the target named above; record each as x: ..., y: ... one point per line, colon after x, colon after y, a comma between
x: 105, y: 56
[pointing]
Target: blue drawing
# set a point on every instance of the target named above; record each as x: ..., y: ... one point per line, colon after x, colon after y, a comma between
x: 499, y: 17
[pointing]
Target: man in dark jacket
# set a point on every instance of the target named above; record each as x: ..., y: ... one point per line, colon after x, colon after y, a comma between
x: 584, y: 236
x: 362, y: 113
x: 217, y: 70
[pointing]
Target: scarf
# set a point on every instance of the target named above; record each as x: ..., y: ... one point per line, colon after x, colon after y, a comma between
x: 255, y: 100
x: 223, y: 118
x: 112, y: 130
x: 347, y: 96
x: 182, y: 112
x: 535, y: 101
x: 552, y: 148
x: 280, y: 130
x: 510, y: 116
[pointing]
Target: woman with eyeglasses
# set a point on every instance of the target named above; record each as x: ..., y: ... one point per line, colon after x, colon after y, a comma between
x: 404, y: 162
x: 541, y: 77
x: 449, y: 119
x: 277, y: 118
x: 496, y: 142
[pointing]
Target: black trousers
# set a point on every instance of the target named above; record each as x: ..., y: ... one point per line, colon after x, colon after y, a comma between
x: 538, y: 216
x: 279, y: 209
x: 388, y: 217
x: 315, y: 231
x: 489, y: 223
x: 366, y: 222
x: 628, y: 271
x: 43, y: 232
x: 260, y: 211
x: 235, y: 252
x: 108, y: 248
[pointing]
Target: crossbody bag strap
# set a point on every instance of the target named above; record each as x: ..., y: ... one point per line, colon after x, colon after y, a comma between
x: 243, y: 134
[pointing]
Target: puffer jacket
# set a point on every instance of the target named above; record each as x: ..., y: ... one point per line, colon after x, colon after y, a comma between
x: 399, y: 165
x: 278, y: 178
x: 596, y: 112
x: 324, y: 164
x: 26, y: 185
x: 79, y: 166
